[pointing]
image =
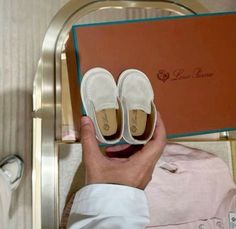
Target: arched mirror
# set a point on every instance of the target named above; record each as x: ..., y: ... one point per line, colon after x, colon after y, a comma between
x: 56, y: 155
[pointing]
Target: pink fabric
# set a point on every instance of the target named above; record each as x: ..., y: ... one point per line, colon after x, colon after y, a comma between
x: 190, y: 188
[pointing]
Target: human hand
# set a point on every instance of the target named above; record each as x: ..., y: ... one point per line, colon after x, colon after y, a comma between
x: 135, y: 170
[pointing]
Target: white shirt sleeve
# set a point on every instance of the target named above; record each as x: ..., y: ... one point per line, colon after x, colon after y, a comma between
x: 109, y: 206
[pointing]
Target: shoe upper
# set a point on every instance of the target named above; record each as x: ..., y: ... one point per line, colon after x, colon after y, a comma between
x: 100, y: 93
x: 136, y: 90
x: 136, y: 93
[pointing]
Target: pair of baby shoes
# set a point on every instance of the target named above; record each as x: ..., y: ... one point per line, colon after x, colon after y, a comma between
x: 123, y: 110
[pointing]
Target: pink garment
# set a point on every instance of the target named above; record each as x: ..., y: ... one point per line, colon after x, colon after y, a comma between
x: 190, y: 188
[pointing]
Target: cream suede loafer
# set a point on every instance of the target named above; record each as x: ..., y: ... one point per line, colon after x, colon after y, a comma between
x: 99, y: 96
x: 140, y: 115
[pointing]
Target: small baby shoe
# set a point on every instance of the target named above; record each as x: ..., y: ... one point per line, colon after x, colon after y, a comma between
x: 140, y: 115
x: 100, y: 100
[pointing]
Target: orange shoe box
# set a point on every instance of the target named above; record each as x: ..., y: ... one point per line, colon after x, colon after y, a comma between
x: 190, y: 61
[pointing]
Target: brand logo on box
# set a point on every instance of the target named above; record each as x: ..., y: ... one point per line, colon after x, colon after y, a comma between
x: 182, y: 74
x: 163, y: 75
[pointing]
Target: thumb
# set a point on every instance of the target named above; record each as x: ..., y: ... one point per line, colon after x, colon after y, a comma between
x: 89, y: 142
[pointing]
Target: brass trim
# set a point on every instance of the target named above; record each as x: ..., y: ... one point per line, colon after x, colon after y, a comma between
x: 233, y: 153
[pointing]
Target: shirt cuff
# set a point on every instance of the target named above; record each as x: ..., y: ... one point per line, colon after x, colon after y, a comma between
x: 112, y: 200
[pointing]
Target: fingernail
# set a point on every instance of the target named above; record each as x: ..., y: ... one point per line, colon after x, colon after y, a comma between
x: 85, y: 120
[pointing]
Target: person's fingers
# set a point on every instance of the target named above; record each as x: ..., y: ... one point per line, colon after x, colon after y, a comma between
x: 89, y: 142
x: 116, y: 148
x: 122, y: 151
x: 153, y: 149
